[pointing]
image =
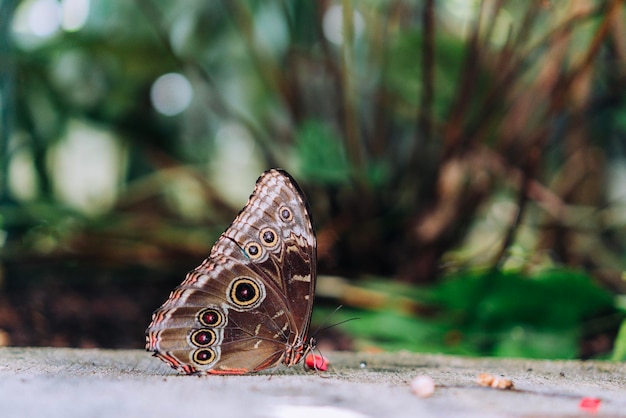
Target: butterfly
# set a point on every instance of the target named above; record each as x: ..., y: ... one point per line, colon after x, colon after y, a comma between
x: 248, y: 306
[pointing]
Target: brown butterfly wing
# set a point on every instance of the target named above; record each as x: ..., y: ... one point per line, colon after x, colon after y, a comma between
x: 248, y: 306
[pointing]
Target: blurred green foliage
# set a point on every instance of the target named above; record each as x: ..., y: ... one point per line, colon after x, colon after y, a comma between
x: 323, y: 158
x: 494, y: 313
x: 619, y: 353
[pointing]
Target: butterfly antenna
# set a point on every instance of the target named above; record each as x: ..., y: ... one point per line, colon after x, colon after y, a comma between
x: 324, y: 325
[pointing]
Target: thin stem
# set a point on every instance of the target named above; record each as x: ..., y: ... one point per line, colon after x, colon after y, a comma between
x: 351, y: 128
x: 424, y: 116
x: 6, y: 89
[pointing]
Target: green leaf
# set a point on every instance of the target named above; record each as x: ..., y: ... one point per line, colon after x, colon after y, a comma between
x: 555, y: 299
x: 619, y: 351
x: 322, y: 154
x: 529, y: 343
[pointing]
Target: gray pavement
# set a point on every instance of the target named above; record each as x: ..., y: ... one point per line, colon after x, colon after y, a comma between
x: 61, y: 382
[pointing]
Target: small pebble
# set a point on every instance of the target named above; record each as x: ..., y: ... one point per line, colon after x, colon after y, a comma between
x: 423, y: 386
x: 486, y: 379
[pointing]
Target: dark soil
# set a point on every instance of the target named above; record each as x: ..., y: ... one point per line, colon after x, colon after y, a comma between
x: 79, y: 304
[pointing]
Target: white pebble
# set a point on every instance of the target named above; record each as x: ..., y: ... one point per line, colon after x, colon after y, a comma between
x: 423, y: 386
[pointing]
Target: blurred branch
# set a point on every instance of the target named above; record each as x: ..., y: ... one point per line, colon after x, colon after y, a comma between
x: 508, y: 68
x: 7, y: 70
x: 527, y: 178
x: 382, y: 99
x: 165, y: 162
x: 351, y: 125
x: 453, y: 135
x: 425, y: 112
x: 268, y: 71
x: 562, y: 89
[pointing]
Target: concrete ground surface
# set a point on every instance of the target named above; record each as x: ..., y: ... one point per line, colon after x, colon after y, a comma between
x: 60, y: 382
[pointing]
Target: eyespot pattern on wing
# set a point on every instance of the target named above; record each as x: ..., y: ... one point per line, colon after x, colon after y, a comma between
x: 248, y: 306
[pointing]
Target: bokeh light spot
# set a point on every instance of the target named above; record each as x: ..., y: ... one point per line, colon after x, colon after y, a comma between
x: 171, y: 94
x: 75, y: 14
x: 332, y: 24
x: 44, y: 17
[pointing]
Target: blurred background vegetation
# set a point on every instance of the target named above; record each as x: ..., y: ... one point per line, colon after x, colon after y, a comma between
x: 464, y: 160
